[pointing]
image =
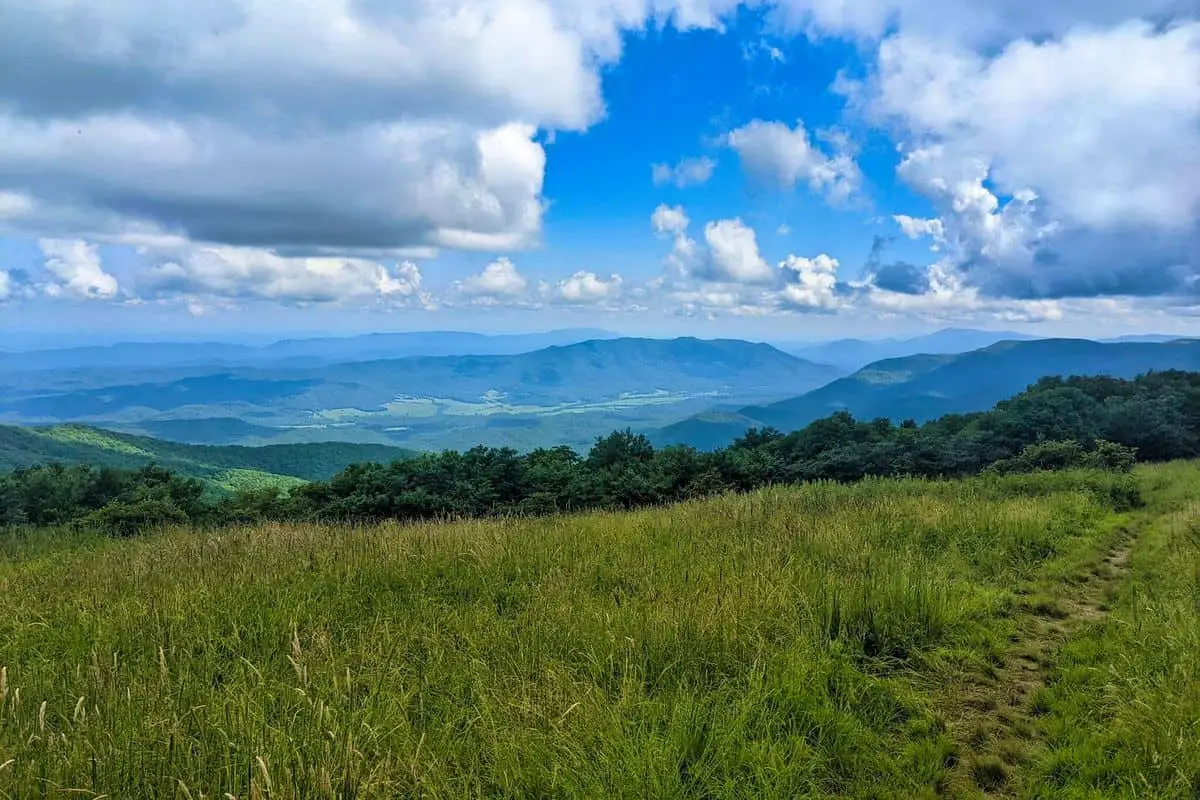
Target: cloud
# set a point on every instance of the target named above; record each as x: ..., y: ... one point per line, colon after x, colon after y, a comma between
x: 499, y: 280
x: 387, y: 187
x: 729, y: 254
x: 242, y: 273
x: 688, y: 172
x: 773, y: 153
x: 728, y: 275
x: 76, y: 269
x: 901, y: 277
x: 752, y: 51
x: 5, y: 285
x: 695, y: 284
x: 811, y: 283
x: 338, y: 127
x: 669, y: 220
x: 732, y: 254
x: 269, y: 150
x: 1110, y: 136
x: 585, y: 288
x: 915, y: 228
x: 973, y: 25
x: 13, y: 205
x: 1080, y: 186
x: 947, y: 298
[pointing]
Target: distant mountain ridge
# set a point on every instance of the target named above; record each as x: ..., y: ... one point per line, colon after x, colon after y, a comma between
x: 923, y: 387
x: 853, y: 354
x: 367, y: 347
x: 559, y: 394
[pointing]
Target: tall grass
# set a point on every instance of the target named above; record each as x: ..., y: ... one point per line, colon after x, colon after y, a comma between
x: 1123, y: 709
x: 776, y: 644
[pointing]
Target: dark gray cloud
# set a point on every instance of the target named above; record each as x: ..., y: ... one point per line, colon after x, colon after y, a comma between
x: 335, y: 125
x: 1090, y: 263
x: 902, y: 277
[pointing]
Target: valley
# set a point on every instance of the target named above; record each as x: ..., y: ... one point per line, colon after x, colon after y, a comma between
x: 703, y: 393
x: 567, y: 394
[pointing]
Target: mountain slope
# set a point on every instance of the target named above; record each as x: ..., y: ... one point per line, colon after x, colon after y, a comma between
x: 327, y: 350
x: 23, y: 447
x: 923, y: 387
x: 852, y: 354
x: 588, y: 372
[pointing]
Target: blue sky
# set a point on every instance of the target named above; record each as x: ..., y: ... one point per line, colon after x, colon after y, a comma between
x: 784, y: 169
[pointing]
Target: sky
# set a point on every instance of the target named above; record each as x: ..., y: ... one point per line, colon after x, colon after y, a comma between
x: 782, y: 169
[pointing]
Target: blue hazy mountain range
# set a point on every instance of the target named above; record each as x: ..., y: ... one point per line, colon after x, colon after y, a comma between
x: 552, y: 395
x: 926, y: 386
x: 325, y: 350
x: 448, y: 389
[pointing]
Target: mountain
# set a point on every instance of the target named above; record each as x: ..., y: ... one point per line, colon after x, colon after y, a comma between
x: 328, y: 350
x: 852, y: 354
x: 71, y: 444
x: 560, y: 394
x: 378, y: 346
x: 923, y: 387
x: 1146, y: 337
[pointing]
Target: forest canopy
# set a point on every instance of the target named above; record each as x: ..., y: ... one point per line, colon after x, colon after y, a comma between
x: 1096, y: 422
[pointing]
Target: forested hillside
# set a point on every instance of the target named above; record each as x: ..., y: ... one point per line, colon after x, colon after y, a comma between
x: 75, y: 444
x: 1104, y: 423
x: 924, y: 387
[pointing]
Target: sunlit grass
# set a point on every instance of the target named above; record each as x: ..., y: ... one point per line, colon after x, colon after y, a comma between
x: 1123, y: 709
x: 80, y: 435
x: 240, y: 480
x: 776, y: 644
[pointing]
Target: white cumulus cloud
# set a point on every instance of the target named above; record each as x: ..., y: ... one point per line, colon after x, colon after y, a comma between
x: 733, y: 254
x: 76, y: 270
x: 915, y: 227
x: 774, y: 153
x: 326, y: 128
x: 586, y: 288
x: 244, y: 273
x: 669, y: 220
x: 811, y: 283
x: 498, y: 280
x: 729, y: 253
x: 1063, y: 167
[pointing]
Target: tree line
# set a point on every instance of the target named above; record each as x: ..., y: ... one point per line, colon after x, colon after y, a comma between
x: 1097, y: 422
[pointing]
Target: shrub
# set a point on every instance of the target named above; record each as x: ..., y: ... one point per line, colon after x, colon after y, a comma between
x: 121, y: 518
x: 1112, y: 456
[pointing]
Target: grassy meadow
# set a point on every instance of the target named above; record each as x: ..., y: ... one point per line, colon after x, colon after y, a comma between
x: 811, y: 641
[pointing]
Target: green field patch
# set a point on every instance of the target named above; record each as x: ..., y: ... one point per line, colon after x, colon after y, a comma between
x: 238, y: 480
x: 91, y: 437
x: 492, y: 404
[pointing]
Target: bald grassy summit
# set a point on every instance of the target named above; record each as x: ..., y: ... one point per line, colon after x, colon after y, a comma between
x: 818, y: 641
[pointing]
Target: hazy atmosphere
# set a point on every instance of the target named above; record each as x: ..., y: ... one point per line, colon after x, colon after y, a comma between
x: 765, y: 169
x: 681, y: 399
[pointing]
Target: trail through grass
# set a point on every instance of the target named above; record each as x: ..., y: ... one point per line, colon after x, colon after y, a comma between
x: 1121, y: 710
x: 793, y: 642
